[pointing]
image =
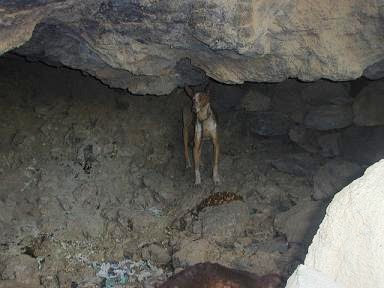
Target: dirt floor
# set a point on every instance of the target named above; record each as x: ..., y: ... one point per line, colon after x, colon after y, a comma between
x: 93, y: 182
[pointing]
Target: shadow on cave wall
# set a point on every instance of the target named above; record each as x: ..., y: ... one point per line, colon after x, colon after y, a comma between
x: 92, y: 174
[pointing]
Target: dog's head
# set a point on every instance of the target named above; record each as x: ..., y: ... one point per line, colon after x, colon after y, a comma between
x: 199, y: 99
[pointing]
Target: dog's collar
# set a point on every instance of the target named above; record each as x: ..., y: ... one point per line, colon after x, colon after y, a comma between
x: 209, y: 113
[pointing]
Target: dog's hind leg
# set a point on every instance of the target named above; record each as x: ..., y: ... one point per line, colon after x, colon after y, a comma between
x: 197, y: 152
x: 187, y: 124
x: 216, y: 152
x: 186, y: 152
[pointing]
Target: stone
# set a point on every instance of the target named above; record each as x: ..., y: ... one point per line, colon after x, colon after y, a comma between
x: 224, y: 223
x: 176, y: 44
x: 328, y: 117
x: 299, y: 164
x: 23, y: 269
x: 375, y: 71
x: 329, y: 144
x: 15, y: 284
x: 216, y: 275
x: 193, y: 252
x: 161, y: 185
x: 324, y: 92
x: 287, y: 99
x: 333, y: 176
x: 300, y: 223
x: 323, y: 142
x: 305, y: 138
x: 368, y: 105
x: 157, y: 254
x: 260, y: 262
x: 225, y: 97
x: 307, y: 277
x: 362, y: 145
x: 255, y: 101
x: 268, y: 123
x: 347, y: 246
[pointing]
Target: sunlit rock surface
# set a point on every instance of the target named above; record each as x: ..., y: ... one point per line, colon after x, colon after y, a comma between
x: 347, y: 248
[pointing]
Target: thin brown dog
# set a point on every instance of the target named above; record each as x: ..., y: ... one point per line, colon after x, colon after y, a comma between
x: 202, y: 124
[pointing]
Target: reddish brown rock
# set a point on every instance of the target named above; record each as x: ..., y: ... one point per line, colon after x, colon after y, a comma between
x: 210, y: 275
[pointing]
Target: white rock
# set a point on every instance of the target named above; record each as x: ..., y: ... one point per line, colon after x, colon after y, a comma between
x: 305, y: 277
x: 348, y: 247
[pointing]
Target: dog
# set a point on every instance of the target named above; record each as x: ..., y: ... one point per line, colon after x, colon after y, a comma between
x: 200, y: 121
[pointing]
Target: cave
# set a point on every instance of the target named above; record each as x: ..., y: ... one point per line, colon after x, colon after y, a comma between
x: 95, y: 191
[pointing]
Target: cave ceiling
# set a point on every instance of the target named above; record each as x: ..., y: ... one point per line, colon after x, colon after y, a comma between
x: 152, y: 47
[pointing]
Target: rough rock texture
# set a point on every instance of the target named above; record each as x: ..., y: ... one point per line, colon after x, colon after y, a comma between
x: 92, y: 175
x: 326, y: 92
x: 268, y: 123
x: 208, y: 275
x: 308, y: 214
x: 328, y: 117
x: 348, y: 245
x: 333, y: 176
x: 193, y: 252
x: 224, y: 223
x: 306, y: 277
x: 255, y: 101
x: 362, y: 145
x: 155, y: 46
x: 22, y: 268
x: 368, y: 105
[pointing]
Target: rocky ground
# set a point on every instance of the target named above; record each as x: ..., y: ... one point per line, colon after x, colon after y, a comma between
x: 93, y: 182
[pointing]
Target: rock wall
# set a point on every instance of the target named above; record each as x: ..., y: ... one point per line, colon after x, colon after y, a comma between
x: 101, y: 173
x: 155, y: 46
x: 347, y: 248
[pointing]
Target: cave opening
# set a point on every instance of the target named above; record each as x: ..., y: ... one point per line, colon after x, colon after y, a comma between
x: 93, y: 178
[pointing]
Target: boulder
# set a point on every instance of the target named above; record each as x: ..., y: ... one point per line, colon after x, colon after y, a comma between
x: 287, y: 99
x: 157, y: 254
x: 193, y: 252
x: 347, y: 248
x: 223, y: 223
x: 21, y: 268
x: 255, y: 101
x: 368, y: 105
x: 333, y: 176
x: 328, y: 117
x: 307, y: 277
x: 216, y: 275
x: 305, y: 138
x: 325, y: 92
x: 300, y: 223
x: 329, y: 144
x: 363, y: 145
x: 268, y: 123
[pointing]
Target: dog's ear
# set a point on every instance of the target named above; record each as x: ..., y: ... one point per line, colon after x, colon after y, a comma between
x: 189, y: 91
x: 207, y: 88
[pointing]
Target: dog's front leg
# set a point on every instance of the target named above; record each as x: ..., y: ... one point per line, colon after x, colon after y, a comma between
x: 186, y: 152
x: 197, y: 151
x: 216, y: 152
